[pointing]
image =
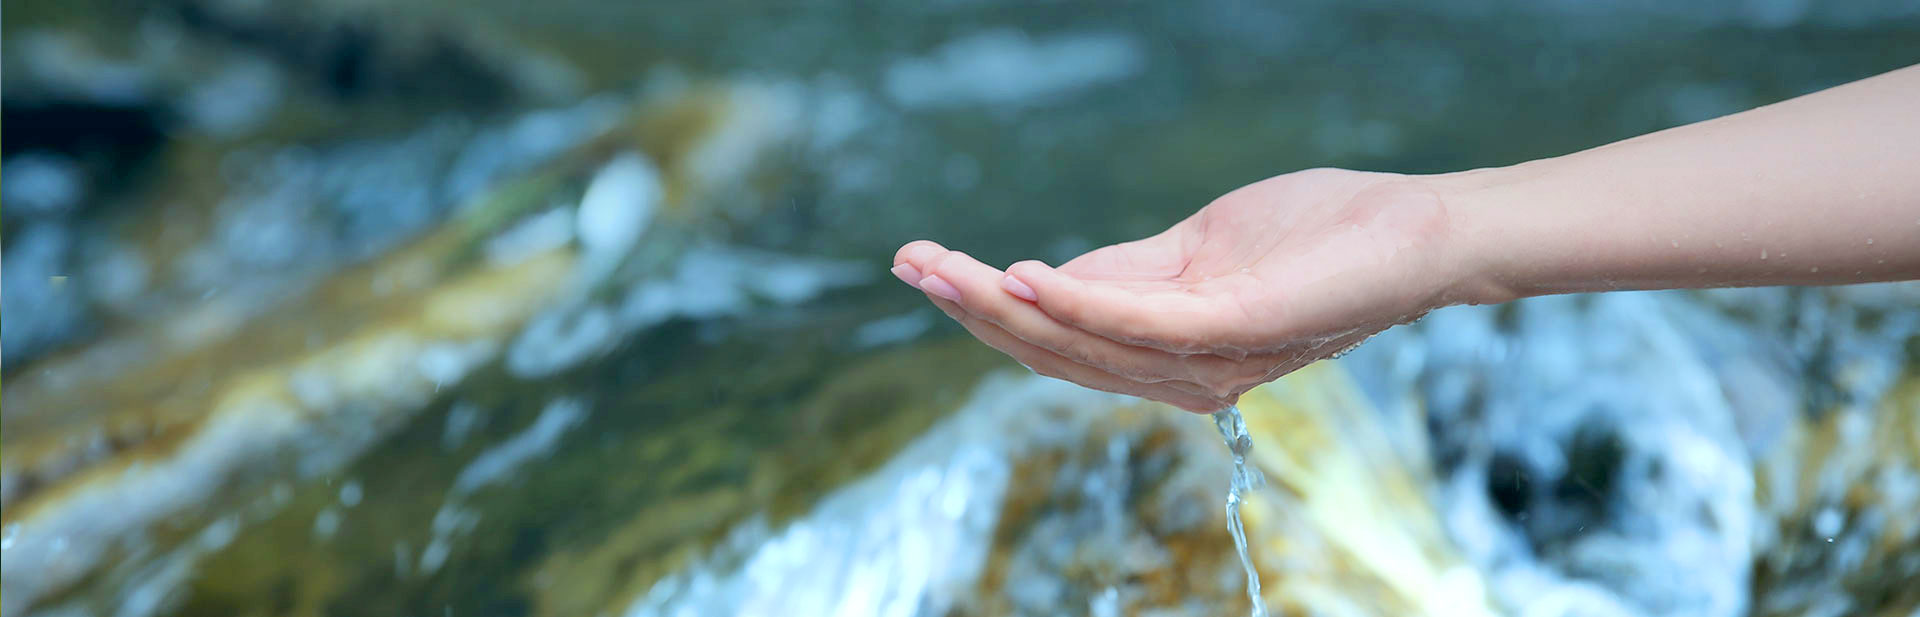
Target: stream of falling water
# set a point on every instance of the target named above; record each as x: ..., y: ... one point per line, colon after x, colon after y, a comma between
x: 1233, y: 428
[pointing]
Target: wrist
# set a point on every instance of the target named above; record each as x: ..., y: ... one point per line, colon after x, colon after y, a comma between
x: 1488, y: 259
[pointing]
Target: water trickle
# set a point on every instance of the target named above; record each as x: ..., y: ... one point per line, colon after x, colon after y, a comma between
x: 1233, y: 428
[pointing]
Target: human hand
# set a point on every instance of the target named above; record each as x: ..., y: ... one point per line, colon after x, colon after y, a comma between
x: 1259, y: 283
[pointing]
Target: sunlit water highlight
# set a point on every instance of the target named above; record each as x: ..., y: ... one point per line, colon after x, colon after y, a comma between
x: 1233, y: 428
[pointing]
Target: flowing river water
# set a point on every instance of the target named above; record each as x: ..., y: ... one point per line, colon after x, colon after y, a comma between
x: 336, y: 309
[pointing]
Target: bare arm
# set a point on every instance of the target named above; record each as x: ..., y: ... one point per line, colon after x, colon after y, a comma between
x: 1821, y: 189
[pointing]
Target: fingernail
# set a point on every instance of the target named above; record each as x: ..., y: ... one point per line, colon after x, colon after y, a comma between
x: 1016, y: 287
x: 940, y: 287
x: 908, y: 274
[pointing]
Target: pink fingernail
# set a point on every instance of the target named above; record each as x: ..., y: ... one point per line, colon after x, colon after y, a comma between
x: 940, y: 287
x: 1016, y: 287
x: 908, y: 274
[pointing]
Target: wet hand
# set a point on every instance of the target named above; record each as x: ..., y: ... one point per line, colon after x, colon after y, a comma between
x: 1259, y: 283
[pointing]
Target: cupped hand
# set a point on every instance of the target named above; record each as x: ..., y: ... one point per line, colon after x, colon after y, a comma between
x: 1259, y: 283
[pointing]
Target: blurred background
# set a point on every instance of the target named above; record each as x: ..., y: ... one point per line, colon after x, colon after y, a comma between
x: 337, y: 307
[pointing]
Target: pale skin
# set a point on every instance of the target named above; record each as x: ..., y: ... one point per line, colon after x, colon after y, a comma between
x: 1823, y: 189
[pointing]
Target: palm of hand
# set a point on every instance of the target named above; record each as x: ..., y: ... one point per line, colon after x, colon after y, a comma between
x: 1298, y: 258
x: 1259, y: 283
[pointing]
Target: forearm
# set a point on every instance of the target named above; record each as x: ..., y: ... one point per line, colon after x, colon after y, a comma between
x: 1822, y: 189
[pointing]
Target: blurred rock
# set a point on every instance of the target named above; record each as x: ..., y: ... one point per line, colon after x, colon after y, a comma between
x: 145, y: 431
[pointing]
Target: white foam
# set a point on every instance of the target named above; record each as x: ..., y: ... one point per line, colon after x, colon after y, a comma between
x: 536, y: 234
x: 719, y: 281
x: 891, y: 330
x: 561, y: 338
x: 1649, y: 370
x: 40, y: 182
x: 496, y: 463
x: 618, y: 204
x: 447, y: 363
x: 909, y: 539
x: 1007, y: 67
x: 235, y: 100
x: 49, y: 551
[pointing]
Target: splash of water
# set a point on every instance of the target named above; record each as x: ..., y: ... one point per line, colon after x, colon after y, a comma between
x: 1233, y: 428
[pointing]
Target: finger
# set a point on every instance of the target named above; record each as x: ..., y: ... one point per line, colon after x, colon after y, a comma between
x: 924, y: 258
x: 905, y: 260
x: 1053, y: 365
x: 1068, y: 369
x: 980, y: 287
x: 1175, y: 321
x: 917, y: 249
x: 965, y: 282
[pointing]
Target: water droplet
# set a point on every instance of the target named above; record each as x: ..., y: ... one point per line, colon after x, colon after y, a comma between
x: 1763, y: 254
x: 1814, y: 269
x: 1675, y: 243
x: 1716, y: 244
x: 1869, y: 241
